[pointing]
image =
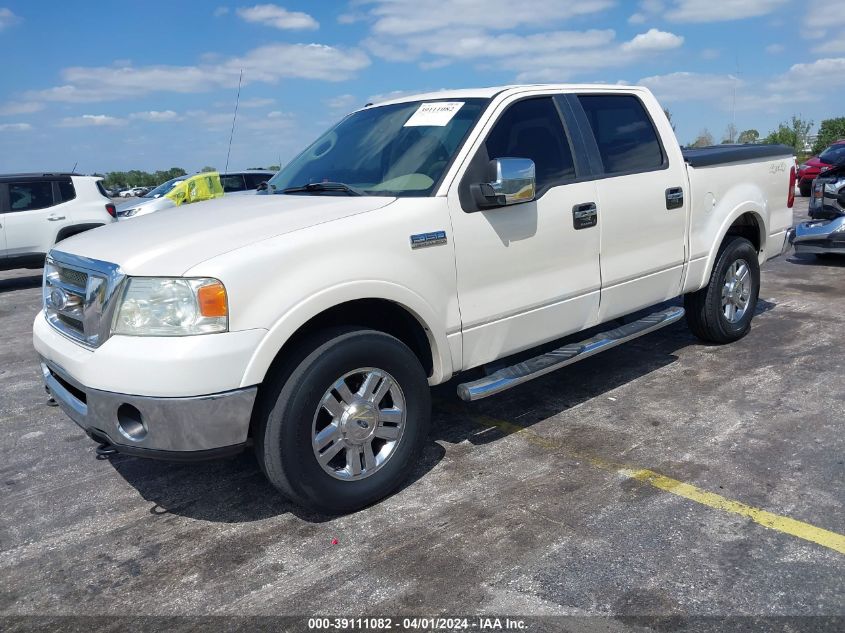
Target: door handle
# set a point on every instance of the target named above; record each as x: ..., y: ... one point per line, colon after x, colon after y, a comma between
x: 585, y: 215
x: 674, y: 198
x: 55, y: 218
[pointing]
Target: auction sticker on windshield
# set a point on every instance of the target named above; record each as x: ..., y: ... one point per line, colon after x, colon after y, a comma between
x: 438, y: 113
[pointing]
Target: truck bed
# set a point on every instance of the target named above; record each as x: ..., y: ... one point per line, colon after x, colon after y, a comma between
x: 723, y: 154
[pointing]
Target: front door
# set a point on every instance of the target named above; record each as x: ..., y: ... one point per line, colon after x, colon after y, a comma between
x: 525, y: 274
x: 642, y: 204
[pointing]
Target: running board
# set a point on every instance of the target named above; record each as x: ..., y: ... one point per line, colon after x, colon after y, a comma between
x: 566, y: 355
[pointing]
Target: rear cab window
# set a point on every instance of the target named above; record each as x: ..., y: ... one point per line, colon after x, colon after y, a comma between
x: 232, y: 182
x: 253, y: 180
x: 624, y: 133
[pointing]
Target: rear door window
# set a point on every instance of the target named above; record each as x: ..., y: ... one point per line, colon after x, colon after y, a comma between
x: 625, y: 135
x: 29, y: 196
x: 232, y: 182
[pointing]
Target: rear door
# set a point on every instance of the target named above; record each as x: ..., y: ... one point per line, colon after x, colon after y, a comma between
x: 642, y: 205
x: 33, y: 218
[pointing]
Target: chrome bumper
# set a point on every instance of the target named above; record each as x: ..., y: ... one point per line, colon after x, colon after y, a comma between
x: 820, y: 236
x: 155, y: 427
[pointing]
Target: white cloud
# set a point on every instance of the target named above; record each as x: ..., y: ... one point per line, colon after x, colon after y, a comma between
x: 220, y: 11
x: 15, y: 127
x: 155, y: 116
x: 404, y: 17
x: 823, y: 74
x: 342, y: 104
x: 710, y: 53
x: 7, y: 18
x: 685, y: 86
x: 651, y: 41
x: 20, y: 107
x: 774, y: 49
x: 826, y: 23
x: 278, y: 17
x: 92, y: 120
x: 723, y: 11
x: 637, y: 18
x: 267, y: 64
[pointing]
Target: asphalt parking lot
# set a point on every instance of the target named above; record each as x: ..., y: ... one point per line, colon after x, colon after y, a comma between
x: 628, y: 486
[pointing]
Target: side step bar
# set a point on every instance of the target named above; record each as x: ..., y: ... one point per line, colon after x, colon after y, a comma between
x: 566, y: 355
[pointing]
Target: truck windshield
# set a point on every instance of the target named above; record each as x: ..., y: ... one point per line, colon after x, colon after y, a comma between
x: 392, y: 150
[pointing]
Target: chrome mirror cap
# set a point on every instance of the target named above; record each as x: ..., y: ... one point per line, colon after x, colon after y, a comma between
x: 515, y: 182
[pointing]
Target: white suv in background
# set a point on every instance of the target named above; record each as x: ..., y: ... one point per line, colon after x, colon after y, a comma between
x: 38, y: 210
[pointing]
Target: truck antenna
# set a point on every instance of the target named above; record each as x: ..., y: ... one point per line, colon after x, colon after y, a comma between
x: 234, y: 118
x: 73, y: 171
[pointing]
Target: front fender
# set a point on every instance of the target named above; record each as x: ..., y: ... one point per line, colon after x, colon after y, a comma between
x: 292, y: 320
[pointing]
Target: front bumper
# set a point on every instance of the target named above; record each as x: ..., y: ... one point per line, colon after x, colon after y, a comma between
x: 820, y: 236
x: 183, y: 428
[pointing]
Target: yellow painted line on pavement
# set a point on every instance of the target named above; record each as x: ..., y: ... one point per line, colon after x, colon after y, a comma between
x: 786, y: 525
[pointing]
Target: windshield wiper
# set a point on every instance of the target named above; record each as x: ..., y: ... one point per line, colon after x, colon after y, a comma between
x: 323, y: 186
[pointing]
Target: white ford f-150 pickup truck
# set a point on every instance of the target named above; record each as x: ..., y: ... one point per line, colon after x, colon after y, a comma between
x: 418, y: 239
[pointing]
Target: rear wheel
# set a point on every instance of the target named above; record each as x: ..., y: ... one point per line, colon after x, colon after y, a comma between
x: 804, y: 189
x: 345, y: 426
x: 721, y: 312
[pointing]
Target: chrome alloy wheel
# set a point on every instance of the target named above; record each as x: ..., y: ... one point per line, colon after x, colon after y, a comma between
x: 359, y: 424
x: 736, y: 291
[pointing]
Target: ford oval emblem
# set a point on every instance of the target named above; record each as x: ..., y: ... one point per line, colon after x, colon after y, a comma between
x: 59, y: 298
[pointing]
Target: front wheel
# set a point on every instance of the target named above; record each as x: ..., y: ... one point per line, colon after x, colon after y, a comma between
x: 344, y: 428
x: 721, y: 312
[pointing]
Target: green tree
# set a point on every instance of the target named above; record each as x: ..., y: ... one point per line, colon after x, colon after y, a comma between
x: 730, y: 134
x: 748, y: 136
x: 207, y: 168
x: 829, y: 131
x: 793, y: 133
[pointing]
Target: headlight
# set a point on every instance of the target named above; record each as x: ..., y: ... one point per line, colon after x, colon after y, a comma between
x: 156, y: 306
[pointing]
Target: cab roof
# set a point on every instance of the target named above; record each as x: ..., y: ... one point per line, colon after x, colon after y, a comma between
x: 489, y: 93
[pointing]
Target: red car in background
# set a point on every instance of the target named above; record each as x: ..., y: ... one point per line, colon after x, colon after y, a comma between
x: 809, y: 170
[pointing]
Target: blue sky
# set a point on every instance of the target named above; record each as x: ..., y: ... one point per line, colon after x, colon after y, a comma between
x: 151, y: 85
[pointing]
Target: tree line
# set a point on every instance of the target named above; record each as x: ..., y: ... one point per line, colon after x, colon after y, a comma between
x: 795, y: 133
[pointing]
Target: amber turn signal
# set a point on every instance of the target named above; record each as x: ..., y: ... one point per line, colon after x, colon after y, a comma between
x: 212, y: 300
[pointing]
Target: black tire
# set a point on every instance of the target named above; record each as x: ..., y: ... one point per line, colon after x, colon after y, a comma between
x: 283, y: 433
x: 804, y: 189
x: 704, y: 313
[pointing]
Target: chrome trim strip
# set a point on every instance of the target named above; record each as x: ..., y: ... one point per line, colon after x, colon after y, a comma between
x: 514, y: 375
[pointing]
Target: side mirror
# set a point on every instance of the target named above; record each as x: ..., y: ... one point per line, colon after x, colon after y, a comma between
x: 513, y: 181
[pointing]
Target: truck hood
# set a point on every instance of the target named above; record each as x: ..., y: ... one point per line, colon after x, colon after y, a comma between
x: 170, y: 242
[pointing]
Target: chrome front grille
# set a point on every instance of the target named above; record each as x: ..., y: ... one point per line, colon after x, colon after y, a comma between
x: 79, y: 296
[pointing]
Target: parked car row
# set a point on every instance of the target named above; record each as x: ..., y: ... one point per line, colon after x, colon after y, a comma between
x: 187, y: 189
x: 38, y: 210
x: 808, y: 172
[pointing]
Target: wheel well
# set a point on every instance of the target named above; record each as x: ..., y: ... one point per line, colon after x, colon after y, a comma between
x: 376, y: 314
x: 748, y: 226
